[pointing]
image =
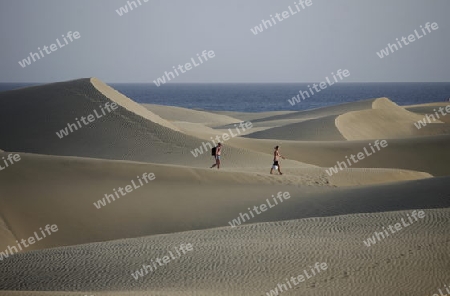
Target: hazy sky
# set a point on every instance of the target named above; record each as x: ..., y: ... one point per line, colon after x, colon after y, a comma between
x: 140, y: 45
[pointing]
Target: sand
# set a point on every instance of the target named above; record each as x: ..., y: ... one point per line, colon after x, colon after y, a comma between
x: 183, y: 115
x: 378, y: 123
x: 320, y: 129
x: 325, y: 219
x: 431, y: 109
x: 250, y: 260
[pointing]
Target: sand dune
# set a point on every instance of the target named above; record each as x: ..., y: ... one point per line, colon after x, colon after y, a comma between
x: 252, y: 116
x: 136, y: 135
x: 431, y: 109
x: 321, y: 129
x: 427, y: 105
x: 253, y: 259
x: 179, y: 199
x: 326, y: 218
x: 269, y: 120
x: 179, y: 114
x: 386, y: 121
x: 423, y: 154
x: 181, y: 193
x: 128, y: 104
x: 372, y: 176
x: 322, y: 112
x: 370, y: 119
x: 7, y: 238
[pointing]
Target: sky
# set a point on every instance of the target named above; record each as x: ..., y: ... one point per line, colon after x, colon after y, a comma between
x: 149, y: 40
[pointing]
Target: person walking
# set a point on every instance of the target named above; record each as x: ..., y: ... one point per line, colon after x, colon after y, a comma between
x: 276, y: 158
x: 217, y: 156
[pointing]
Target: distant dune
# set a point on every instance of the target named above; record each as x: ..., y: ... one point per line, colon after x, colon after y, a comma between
x: 322, y: 112
x: 430, y: 109
x: 179, y: 114
x: 319, y: 129
x: 370, y: 119
x: 386, y: 120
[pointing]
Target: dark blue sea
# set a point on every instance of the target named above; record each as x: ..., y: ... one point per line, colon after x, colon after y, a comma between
x: 273, y: 97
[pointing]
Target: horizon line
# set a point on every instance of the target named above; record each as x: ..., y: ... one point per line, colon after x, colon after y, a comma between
x: 174, y: 83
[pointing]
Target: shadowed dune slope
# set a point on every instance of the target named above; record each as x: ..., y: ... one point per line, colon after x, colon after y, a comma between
x: 130, y: 132
x: 321, y: 129
x: 294, y: 125
x: 434, y: 105
x: 281, y: 118
x: 320, y: 112
x: 252, y: 116
x: 7, y: 238
x: 373, y: 176
x: 63, y: 190
x: 431, y: 109
x: 252, y: 260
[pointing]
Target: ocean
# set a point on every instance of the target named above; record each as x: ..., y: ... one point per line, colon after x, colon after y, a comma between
x: 254, y: 97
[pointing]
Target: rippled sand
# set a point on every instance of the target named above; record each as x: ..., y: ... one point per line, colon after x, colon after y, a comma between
x: 326, y: 219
